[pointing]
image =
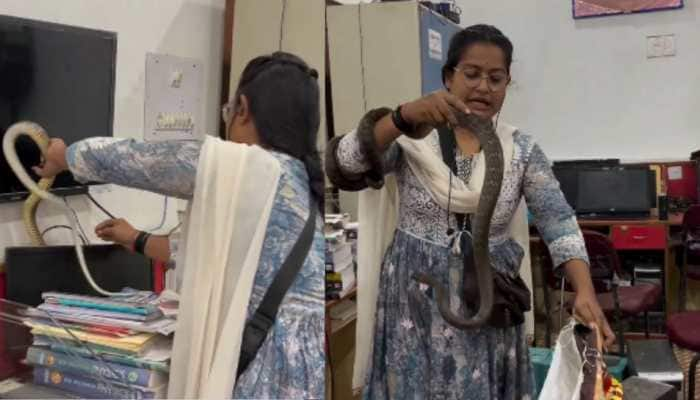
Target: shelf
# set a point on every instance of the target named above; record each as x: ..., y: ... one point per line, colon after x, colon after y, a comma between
x: 331, y: 303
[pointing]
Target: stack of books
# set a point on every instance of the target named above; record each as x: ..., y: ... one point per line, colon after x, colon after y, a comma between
x: 97, y: 347
x: 341, y: 255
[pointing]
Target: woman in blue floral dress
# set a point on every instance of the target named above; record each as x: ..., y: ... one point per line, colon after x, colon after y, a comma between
x: 415, y: 353
x: 291, y: 362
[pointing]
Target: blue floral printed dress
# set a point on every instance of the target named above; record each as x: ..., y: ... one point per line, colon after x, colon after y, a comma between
x: 416, y: 354
x: 291, y: 362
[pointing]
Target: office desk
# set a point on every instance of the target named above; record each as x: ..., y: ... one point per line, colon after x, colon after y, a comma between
x: 673, y: 220
x: 650, y: 235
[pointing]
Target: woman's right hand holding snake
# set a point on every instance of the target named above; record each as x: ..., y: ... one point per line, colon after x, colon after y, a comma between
x: 432, y: 111
x: 55, y: 161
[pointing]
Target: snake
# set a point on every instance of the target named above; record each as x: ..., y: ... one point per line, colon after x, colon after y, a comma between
x: 39, y: 192
x: 31, y: 204
x: 485, y: 131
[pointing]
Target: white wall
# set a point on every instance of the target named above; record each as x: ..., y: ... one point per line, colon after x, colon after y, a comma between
x: 187, y: 28
x: 585, y: 88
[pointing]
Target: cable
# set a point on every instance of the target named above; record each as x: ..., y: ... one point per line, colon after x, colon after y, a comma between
x: 282, y: 15
x: 160, y: 224
x: 104, y: 210
x: 362, y: 57
x: 162, y: 218
x: 77, y: 220
x: 49, y: 229
x: 170, y: 232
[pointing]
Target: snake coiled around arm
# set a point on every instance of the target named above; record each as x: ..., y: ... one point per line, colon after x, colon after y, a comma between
x: 493, y: 154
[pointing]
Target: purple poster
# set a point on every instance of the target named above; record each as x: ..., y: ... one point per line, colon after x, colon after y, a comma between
x: 595, y: 8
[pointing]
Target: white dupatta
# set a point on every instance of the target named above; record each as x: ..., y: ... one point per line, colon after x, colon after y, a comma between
x: 223, y: 237
x: 378, y: 220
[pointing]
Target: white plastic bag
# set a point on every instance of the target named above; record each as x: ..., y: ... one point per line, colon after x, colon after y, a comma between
x: 565, y: 375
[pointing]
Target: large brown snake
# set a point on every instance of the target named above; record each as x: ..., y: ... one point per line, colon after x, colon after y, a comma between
x: 493, y: 154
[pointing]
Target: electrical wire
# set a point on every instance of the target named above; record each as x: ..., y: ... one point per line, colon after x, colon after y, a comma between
x: 50, y: 228
x: 77, y: 220
x: 162, y: 217
x: 104, y: 210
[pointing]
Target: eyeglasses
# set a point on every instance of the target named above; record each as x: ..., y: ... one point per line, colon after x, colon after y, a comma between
x: 496, y: 81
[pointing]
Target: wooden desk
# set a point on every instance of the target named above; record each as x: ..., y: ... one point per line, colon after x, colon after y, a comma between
x: 669, y: 244
x: 673, y: 220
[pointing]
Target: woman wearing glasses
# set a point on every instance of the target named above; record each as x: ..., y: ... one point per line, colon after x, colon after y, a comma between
x: 414, y: 352
x: 291, y: 362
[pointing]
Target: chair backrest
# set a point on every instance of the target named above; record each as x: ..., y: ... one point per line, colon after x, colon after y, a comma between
x: 604, y: 263
x: 691, y: 231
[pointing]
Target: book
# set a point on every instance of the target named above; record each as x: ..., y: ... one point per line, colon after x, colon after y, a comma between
x: 93, y: 388
x: 90, y: 367
x: 136, y: 362
x: 340, y: 258
x: 344, y: 311
x: 57, y: 308
x: 14, y: 388
x: 164, y: 326
x: 132, y: 304
x: 136, y: 342
x: 346, y: 278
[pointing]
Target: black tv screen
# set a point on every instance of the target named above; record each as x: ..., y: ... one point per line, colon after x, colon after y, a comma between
x: 62, y: 78
x: 568, y: 183
x: 615, y: 191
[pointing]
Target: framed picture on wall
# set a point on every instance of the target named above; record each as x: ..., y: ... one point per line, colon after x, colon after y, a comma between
x: 599, y: 8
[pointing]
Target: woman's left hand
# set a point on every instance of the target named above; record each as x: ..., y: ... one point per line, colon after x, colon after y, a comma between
x: 54, y: 160
x: 588, y: 311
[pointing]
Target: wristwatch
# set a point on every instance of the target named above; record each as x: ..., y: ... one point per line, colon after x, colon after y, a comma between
x: 140, y: 242
x: 400, y: 123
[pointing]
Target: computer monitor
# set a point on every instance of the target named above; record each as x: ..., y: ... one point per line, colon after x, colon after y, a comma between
x: 616, y: 191
x: 31, y: 271
x: 61, y: 77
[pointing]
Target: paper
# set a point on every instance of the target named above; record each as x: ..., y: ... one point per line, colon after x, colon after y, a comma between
x: 435, y: 44
x: 675, y: 173
x: 9, y: 384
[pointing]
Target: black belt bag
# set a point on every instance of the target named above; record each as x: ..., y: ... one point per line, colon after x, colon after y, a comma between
x: 511, y: 297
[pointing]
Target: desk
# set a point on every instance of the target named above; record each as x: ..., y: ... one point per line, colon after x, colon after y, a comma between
x: 673, y: 220
x: 650, y: 234
x: 657, y: 236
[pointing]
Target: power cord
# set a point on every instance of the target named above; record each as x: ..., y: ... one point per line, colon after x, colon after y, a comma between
x: 104, y: 210
x: 160, y: 224
x: 49, y: 229
x: 77, y: 220
x: 162, y: 218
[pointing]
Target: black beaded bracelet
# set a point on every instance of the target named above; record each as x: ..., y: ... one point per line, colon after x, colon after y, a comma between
x: 400, y: 123
x: 140, y: 242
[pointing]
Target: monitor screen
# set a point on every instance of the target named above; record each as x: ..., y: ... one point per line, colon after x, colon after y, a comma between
x: 615, y: 190
x: 30, y: 271
x: 60, y: 77
x: 568, y: 183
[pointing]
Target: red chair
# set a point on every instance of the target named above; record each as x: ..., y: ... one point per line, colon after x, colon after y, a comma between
x: 618, y: 302
x: 684, y: 332
x: 690, y: 265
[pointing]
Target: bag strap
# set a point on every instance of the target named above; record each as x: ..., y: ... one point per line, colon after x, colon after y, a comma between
x: 448, y: 143
x: 256, y: 328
